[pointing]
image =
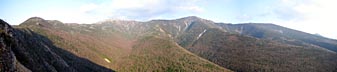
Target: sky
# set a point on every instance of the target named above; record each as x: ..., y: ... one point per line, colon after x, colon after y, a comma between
x: 311, y: 16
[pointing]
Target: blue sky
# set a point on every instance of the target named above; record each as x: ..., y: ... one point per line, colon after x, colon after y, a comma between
x: 312, y: 16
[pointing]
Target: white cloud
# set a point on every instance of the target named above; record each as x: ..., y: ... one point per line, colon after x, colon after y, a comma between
x: 313, y: 16
x: 121, y: 9
x: 244, y: 17
x: 80, y: 15
x: 144, y: 9
x: 192, y: 8
x: 87, y: 8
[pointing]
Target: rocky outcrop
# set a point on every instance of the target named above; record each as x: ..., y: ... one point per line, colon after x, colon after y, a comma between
x: 8, y: 62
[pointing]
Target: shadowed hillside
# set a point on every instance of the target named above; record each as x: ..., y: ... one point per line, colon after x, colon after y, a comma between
x: 37, y: 53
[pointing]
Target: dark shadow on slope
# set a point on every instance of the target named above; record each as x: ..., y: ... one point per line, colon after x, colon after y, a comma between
x: 39, y: 54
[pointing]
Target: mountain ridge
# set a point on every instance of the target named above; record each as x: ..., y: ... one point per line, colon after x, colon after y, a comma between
x: 192, y: 18
x: 106, y: 46
x: 187, y: 44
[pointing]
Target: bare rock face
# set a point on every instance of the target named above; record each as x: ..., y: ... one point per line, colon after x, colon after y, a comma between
x: 7, y: 57
x: 8, y: 62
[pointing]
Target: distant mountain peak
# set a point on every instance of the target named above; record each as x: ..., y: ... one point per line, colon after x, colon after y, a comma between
x: 317, y: 34
x: 35, y: 21
x: 116, y: 21
x: 192, y: 18
x: 195, y: 18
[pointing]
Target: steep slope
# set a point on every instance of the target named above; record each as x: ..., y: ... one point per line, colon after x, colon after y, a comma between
x: 248, y: 54
x: 185, y: 44
x: 36, y: 53
x: 8, y: 61
x: 118, y: 45
x: 281, y: 34
x: 161, y: 54
x: 250, y: 47
x: 184, y: 30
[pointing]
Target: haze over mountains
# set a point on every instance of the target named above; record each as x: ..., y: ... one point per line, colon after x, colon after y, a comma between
x: 184, y: 44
